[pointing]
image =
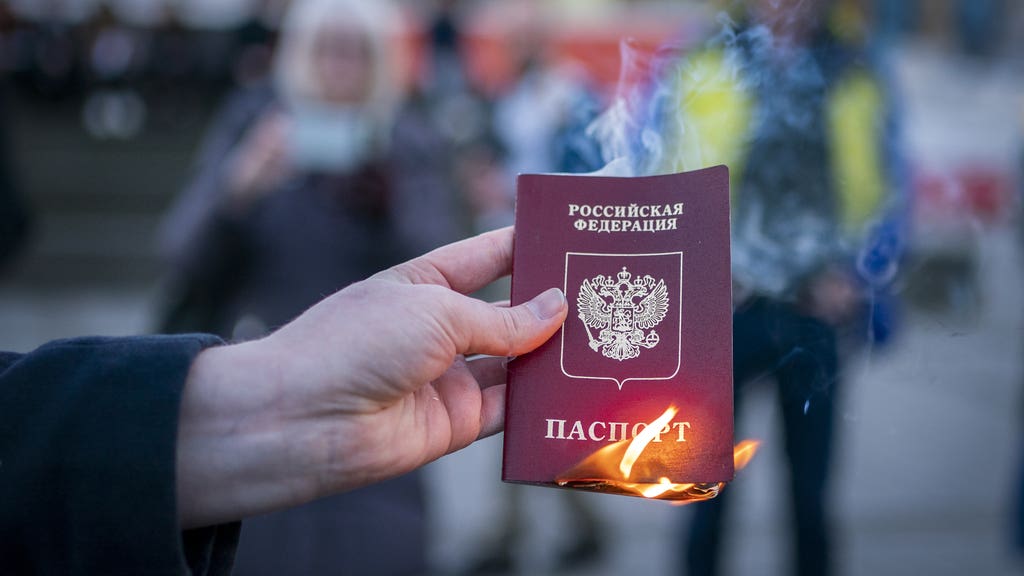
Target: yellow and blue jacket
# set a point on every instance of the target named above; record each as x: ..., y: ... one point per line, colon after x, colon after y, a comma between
x: 829, y: 195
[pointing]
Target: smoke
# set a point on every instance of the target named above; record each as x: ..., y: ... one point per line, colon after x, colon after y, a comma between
x: 634, y: 132
x: 674, y: 110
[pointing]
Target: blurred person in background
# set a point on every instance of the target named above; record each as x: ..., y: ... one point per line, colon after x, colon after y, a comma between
x: 52, y: 66
x: 979, y: 25
x: 789, y: 103
x: 255, y: 38
x: 461, y: 114
x: 540, y: 125
x: 299, y: 191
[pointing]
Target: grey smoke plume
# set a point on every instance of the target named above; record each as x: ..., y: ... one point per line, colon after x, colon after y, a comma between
x: 786, y: 223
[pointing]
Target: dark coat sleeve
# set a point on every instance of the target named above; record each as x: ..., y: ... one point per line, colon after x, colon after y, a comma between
x: 88, y: 429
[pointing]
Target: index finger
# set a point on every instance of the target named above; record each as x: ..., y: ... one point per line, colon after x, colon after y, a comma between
x: 465, y: 266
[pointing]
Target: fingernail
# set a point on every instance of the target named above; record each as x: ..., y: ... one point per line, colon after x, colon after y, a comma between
x: 547, y: 304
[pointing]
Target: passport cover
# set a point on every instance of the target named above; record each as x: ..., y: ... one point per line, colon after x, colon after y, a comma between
x: 644, y: 264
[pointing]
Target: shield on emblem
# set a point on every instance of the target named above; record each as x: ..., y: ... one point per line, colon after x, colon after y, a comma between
x: 622, y: 319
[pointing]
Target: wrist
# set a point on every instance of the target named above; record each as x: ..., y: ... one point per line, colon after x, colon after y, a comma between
x: 236, y: 455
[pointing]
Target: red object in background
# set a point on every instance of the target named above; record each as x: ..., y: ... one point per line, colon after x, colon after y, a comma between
x: 410, y: 50
x: 495, y: 42
x: 979, y: 194
x: 496, y: 35
x: 637, y: 243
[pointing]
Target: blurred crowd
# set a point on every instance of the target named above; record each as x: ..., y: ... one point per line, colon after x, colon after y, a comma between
x: 346, y: 136
x: 510, y: 85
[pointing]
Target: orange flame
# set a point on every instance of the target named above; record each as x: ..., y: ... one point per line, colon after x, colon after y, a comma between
x: 597, y: 471
x: 744, y: 452
x: 636, y: 447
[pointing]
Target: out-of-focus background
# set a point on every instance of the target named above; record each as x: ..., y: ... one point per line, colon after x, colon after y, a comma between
x: 105, y: 107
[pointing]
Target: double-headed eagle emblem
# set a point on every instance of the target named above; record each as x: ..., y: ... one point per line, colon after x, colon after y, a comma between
x: 609, y: 305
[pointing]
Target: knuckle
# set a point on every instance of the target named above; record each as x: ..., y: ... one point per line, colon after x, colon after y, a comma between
x: 513, y: 325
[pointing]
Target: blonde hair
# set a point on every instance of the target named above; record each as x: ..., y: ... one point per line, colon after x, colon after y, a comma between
x: 295, y: 77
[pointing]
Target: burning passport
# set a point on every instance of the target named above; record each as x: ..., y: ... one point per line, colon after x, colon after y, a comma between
x: 634, y: 394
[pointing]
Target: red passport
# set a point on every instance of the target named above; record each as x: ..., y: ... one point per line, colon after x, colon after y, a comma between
x: 634, y: 394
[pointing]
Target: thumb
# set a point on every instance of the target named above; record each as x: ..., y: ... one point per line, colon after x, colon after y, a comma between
x: 480, y: 328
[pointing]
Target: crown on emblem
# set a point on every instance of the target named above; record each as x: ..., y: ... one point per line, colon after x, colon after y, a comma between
x: 624, y: 290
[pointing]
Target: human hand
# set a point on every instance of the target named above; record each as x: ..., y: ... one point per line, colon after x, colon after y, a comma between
x: 368, y: 384
x: 261, y: 161
x: 832, y: 297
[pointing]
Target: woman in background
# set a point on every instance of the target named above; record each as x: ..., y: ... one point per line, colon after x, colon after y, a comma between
x: 299, y: 192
